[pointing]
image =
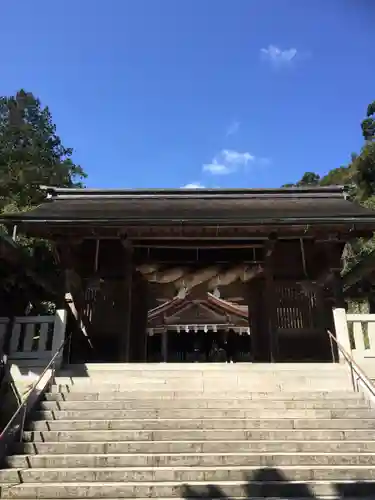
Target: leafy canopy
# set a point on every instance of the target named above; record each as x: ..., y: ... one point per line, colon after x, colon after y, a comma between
x: 359, y: 175
x: 31, y: 153
x: 360, y: 171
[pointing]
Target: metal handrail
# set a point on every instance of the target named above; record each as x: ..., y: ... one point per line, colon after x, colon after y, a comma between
x: 354, y: 368
x: 24, y: 404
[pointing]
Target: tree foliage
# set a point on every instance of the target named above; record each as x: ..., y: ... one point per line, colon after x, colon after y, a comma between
x: 359, y: 173
x: 308, y: 179
x: 359, y: 176
x: 31, y: 154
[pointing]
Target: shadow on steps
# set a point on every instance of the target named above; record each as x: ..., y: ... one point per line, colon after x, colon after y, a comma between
x: 271, y: 483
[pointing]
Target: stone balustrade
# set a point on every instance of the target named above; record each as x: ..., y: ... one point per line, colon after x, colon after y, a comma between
x: 34, y: 338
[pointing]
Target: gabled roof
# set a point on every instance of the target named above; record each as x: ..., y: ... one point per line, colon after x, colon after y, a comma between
x: 215, y: 307
x: 303, y: 205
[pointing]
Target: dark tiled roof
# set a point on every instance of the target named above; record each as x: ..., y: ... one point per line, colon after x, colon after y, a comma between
x: 247, y: 206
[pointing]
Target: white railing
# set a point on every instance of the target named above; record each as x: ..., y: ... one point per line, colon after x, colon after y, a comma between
x: 356, y: 333
x: 34, y: 337
x: 361, y: 329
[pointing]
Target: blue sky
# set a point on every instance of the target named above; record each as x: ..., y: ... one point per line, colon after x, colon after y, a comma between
x: 221, y: 93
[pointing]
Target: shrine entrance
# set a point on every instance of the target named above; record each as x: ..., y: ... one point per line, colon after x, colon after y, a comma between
x: 139, y: 264
x: 216, y: 345
x: 205, y: 329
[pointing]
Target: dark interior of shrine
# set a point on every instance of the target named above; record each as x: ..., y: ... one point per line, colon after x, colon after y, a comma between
x: 287, y: 317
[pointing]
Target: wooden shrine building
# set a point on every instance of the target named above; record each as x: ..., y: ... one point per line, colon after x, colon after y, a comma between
x: 186, y: 329
x: 277, y: 251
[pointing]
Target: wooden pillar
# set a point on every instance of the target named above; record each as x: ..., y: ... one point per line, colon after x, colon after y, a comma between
x: 253, y: 305
x: 337, y: 289
x: 145, y: 347
x: 324, y: 323
x: 143, y: 312
x: 125, y: 304
x: 270, y: 304
x: 164, y: 345
x: 331, y: 251
x: 258, y: 322
x: 139, y: 310
x: 80, y: 348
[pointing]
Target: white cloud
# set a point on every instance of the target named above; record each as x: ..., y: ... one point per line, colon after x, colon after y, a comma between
x: 233, y: 128
x: 193, y: 185
x: 217, y: 168
x: 236, y: 158
x: 278, y: 56
x: 227, y: 162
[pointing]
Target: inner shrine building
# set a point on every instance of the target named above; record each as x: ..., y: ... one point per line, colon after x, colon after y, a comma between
x: 146, y: 268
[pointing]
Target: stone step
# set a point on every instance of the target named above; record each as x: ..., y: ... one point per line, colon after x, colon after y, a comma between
x: 298, y: 497
x: 165, y: 447
x: 275, y: 487
x: 193, y: 431
x: 203, y: 434
x: 176, y: 404
x: 224, y: 374
x: 205, y: 423
x: 199, y: 413
x: 222, y: 370
x: 190, y: 460
x: 299, y: 384
x: 86, y: 368
x: 258, y: 394
x: 198, y: 371
x: 260, y: 399
x: 184, y: 474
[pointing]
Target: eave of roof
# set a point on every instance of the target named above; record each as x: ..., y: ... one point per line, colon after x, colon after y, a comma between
x: 221, y: 304
x: 247, y: 207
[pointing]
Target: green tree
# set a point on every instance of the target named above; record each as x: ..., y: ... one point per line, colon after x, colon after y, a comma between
x: 364, y: 163
x: 368, y: 124
x: 359, y: 176
x: 308, y: 179
x: 363, y: 169
x: 31, y: 153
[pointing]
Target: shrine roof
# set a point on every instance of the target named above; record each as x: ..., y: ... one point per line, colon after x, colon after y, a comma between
x: 218, y: 304
x: 166, y: 206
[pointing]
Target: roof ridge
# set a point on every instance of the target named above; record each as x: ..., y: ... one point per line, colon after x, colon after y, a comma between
x: 57, y: 192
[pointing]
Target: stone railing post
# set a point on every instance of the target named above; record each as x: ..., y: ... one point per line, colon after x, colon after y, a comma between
x: 59, y: 328
x: 341, y: 330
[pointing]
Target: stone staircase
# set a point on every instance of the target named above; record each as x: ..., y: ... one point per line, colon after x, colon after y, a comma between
x: 196, y: 431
